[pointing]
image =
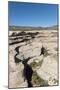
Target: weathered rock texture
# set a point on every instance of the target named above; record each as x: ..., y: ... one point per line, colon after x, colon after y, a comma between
x: 26, y: 45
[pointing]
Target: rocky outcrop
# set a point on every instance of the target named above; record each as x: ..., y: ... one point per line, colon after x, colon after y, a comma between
x: 25, y: 50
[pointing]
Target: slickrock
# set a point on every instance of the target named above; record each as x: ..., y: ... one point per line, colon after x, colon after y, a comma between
x: 27, y: 46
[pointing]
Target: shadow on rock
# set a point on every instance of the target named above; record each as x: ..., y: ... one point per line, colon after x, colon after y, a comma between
x: 27, y: 72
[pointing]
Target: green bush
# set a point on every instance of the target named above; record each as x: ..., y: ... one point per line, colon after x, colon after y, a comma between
x: 37, y: 81
x: 34, y: 64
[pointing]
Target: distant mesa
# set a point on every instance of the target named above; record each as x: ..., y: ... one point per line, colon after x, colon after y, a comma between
x: 55, y: 27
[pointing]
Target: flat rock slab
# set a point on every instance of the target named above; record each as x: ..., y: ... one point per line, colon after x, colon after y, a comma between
x: 48, y: 70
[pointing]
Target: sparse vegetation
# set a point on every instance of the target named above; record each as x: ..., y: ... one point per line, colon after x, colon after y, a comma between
x: 37, y: 81
x: 35, y: 64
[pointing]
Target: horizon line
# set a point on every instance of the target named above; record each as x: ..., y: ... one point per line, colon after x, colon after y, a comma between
x: 32, y: 26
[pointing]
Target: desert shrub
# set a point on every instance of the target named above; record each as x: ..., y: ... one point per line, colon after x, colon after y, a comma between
x: 35, y: 64
x: 38, y: 81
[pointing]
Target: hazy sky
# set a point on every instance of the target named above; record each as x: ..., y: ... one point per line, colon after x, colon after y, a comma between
x: 30, y: 14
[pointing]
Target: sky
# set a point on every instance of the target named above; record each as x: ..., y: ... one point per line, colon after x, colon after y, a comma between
x: 32, y: 14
